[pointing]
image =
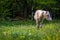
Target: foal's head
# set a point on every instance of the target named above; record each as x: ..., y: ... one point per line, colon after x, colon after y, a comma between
x: 47, y: 15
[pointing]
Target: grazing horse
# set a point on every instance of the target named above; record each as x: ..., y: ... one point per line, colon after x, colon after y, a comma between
x: 40, y: 15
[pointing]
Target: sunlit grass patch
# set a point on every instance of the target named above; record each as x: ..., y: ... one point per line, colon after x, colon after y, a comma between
x: 26, y: 30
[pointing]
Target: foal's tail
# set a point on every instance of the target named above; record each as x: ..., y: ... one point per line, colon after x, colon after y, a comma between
x: 36, y: 16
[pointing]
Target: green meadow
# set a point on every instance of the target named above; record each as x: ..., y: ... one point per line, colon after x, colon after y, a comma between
x: 26, y: 30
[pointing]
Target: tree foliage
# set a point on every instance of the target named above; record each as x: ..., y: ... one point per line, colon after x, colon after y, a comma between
x: 23, y: 8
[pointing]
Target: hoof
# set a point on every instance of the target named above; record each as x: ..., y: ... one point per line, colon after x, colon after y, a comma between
x: 40, y: 26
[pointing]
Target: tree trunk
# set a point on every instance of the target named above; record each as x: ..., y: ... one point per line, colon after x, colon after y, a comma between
x: 25, y: 10
x: 25, y: 13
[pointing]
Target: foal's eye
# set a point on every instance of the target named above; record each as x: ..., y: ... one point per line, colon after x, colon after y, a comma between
x: 47, y: 15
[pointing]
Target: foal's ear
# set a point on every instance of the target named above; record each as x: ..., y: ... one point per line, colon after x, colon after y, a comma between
x: 46, y: 12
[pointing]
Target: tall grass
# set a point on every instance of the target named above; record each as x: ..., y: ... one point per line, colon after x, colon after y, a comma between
x: 26, y: 30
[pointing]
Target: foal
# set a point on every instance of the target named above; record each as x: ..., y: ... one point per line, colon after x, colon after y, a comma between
x: 40, y: 15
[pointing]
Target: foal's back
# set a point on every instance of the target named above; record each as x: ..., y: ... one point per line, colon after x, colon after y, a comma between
x: 38, y: 14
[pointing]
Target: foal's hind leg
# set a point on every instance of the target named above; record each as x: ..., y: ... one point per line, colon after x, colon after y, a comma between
x: 41, y: 23
x: 37, y: 24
